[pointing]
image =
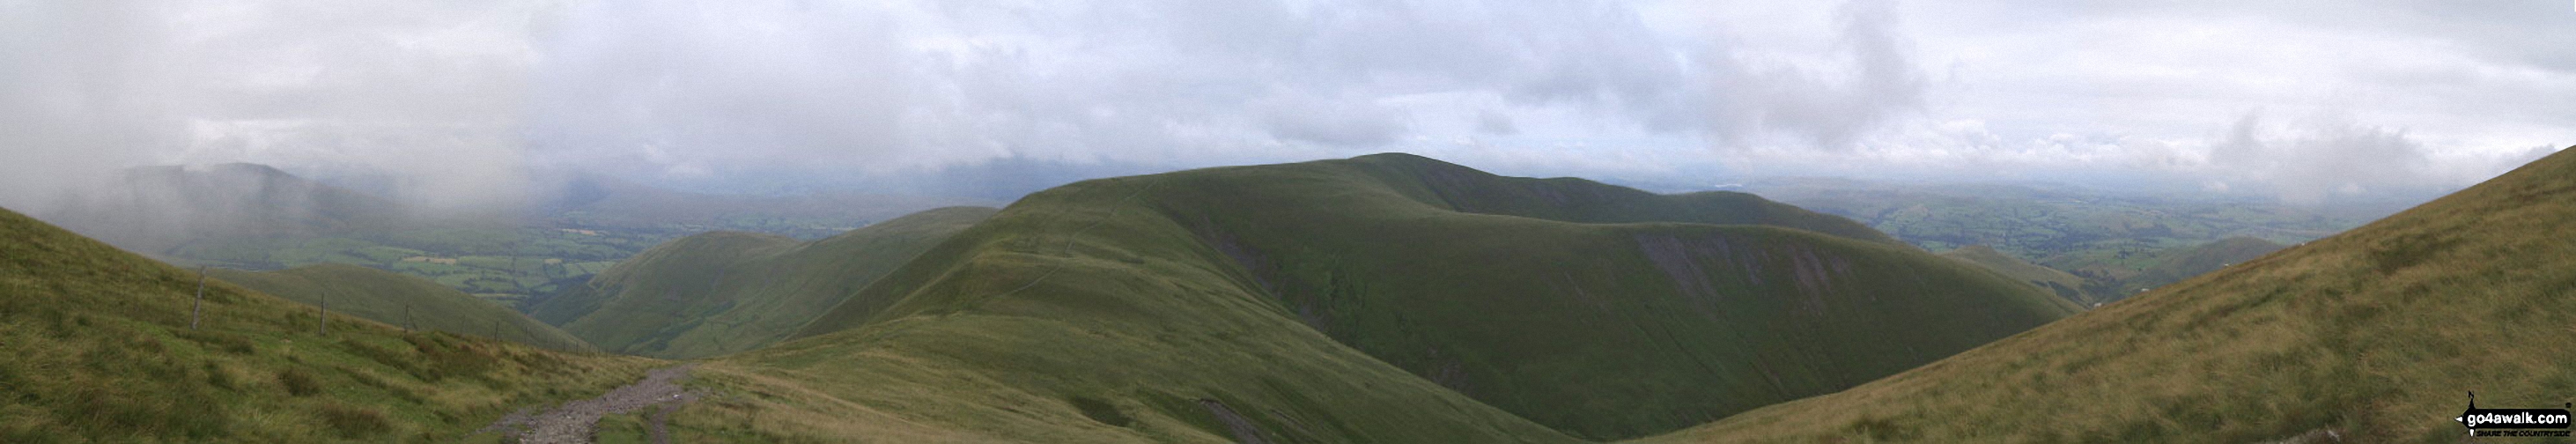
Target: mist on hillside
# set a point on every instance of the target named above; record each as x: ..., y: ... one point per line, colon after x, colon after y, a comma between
x: 501, y: 106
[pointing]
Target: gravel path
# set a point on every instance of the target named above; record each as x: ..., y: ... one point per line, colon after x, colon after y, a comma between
x: 572, y: 423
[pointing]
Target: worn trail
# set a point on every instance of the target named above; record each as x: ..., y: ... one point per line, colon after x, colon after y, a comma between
x: 575, y: 421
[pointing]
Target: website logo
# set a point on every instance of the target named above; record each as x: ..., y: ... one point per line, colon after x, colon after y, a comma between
x: 2513, y: 422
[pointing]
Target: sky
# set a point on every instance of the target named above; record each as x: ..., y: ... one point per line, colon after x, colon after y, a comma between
x: 475, y: 103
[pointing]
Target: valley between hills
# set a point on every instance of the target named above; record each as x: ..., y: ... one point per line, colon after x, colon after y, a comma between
x: 1382, y: 298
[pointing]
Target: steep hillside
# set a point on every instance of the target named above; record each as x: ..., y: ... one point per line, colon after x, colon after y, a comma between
x: 725, y: 292
x: 1323, y: 301
x: 2376, y: 334
x: 2064, y: 285
x: 99, y: 349
x: 402, y: 301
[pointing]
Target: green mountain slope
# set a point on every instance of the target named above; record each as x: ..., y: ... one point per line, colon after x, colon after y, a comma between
x: 99, y: 350
x: 724, y: 292
x: 2375, y: 334
x: 1359, y: 299
x: 2064, y: 285
x: 403, y: 301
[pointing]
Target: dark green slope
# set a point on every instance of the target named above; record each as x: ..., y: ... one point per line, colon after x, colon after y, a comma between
x: 2065, y: 285
x: 1596, y: 329
x: 725, y: 292
x: 98, y: 349
x: 2375, y: 335
x: 401, y: 300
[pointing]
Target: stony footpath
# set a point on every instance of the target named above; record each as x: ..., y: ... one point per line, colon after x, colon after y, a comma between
x: 573, y: 422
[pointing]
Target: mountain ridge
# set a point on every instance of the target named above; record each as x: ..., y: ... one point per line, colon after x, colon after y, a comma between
x: 1176, y: 239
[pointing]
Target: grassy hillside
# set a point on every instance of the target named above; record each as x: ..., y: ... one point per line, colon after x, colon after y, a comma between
x: 2375, y: 334
x: 2062, y: 284
x: 403, y: 301
x: 1357, y: 300
x: 725, y: 292
x: 99, y: 350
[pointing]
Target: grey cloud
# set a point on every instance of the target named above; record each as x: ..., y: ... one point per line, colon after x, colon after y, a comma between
x: 1349, y: 123
x: 2312, y: 161
x: 462, y: 102
x: 429, y: 91
x: 1495, y: 123
x: 1873, y: 83
x: 732, y: 85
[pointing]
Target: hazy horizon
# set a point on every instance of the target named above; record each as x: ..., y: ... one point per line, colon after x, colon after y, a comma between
x: 474, y: 105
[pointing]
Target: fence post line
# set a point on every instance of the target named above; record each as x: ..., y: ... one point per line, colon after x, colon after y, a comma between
x: 198, y: 309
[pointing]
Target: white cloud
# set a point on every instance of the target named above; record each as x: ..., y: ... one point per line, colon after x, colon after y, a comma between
x: 460, y: 99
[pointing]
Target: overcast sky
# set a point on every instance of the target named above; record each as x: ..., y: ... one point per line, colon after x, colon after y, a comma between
x: 2300, y: 100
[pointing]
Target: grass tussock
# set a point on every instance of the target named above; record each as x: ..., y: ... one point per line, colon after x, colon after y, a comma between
x: 353, y: 422
x: 299, y: 382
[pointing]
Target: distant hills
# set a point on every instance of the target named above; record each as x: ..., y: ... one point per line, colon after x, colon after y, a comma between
x: 2376, y: 334
x: 2044, y: 223
x: 2111, y: 276
x: 2105, y: 276
x: 161, y: 210
x: 402, y: 301
x: 1386, y: 298
x: 724, y: 292
x: 99, y: 349
x: 2064, y: 285
x: 254, y: 217
x: 598, y: 202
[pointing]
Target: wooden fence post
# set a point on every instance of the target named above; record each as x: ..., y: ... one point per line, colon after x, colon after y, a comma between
x: 198, y: 309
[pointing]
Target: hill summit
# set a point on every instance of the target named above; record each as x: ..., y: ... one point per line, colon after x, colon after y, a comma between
x: 1388, y: 298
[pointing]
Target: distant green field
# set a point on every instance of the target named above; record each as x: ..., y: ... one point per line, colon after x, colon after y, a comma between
x: 405, y: 301
x: 508, y: 265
